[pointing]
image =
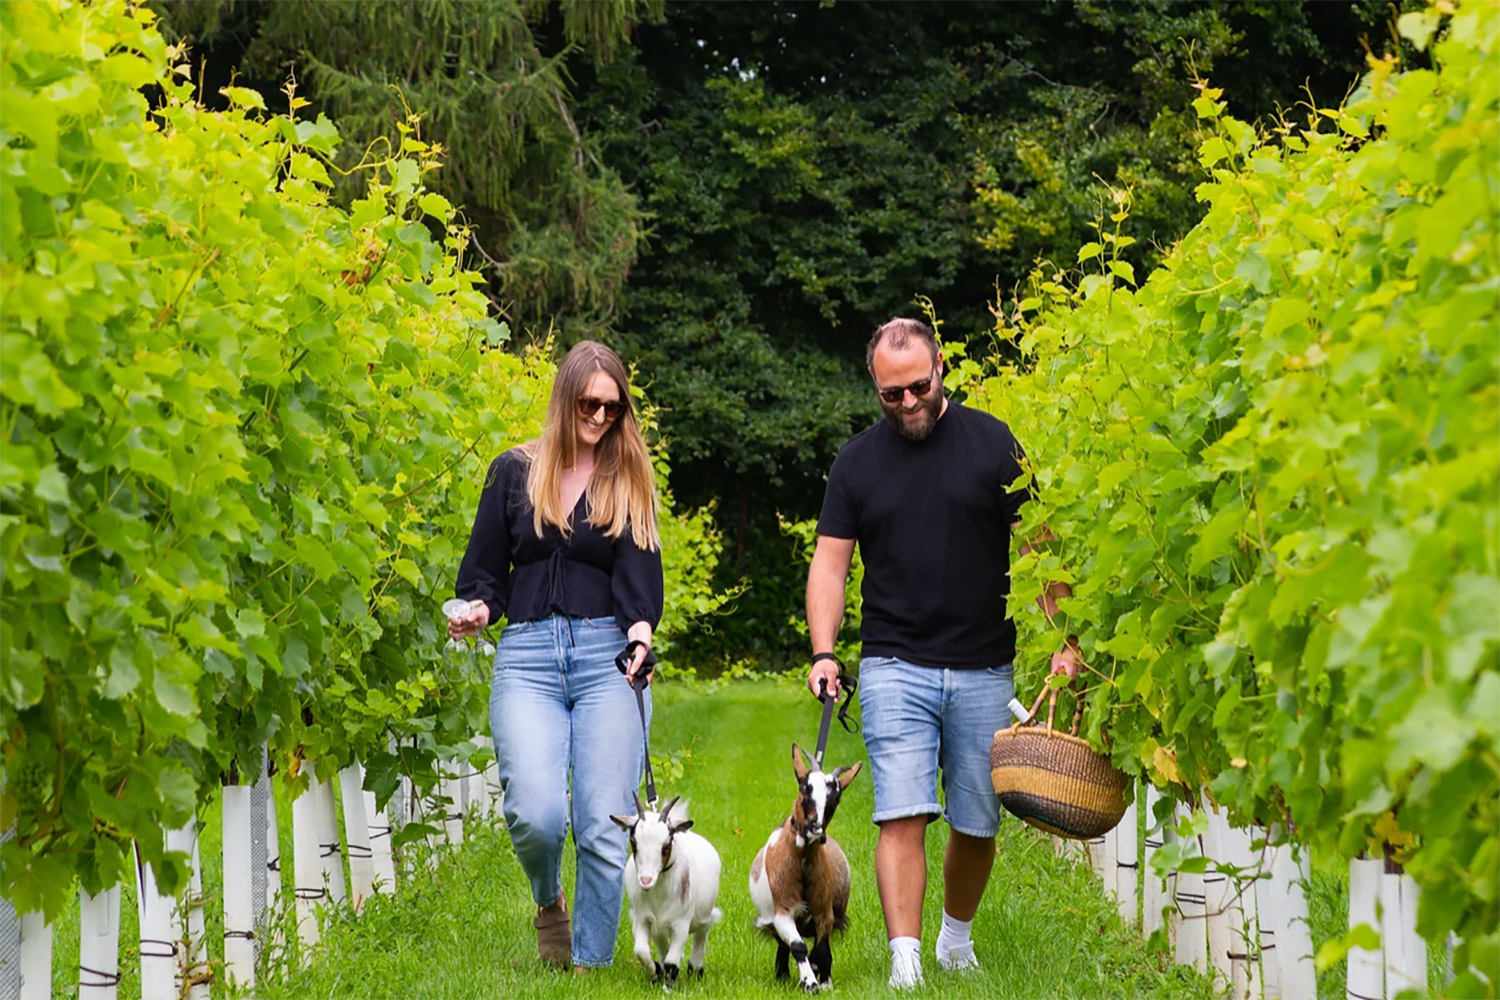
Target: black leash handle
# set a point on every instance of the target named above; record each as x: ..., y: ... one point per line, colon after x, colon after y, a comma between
x: 639, y: 684
x: 850, y: 726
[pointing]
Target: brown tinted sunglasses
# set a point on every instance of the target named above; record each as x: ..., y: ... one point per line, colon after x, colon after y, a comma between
x: 897, y: 393
x: 588, y: 404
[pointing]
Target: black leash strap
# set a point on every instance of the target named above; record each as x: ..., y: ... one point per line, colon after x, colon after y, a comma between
x: 638, y: 685
x: 848, y: 684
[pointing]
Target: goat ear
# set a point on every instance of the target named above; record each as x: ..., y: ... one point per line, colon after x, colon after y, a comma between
x: 799, y: 763
x: 624, y: 822
x: 846, y: 774
x: 686, y: 824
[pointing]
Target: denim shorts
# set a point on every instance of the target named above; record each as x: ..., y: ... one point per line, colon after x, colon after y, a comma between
x: 919, y: 720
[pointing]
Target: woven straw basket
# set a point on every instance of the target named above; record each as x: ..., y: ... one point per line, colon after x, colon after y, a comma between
x: 1055, y: 781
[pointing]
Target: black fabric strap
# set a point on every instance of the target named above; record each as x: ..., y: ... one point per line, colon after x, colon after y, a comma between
x: 639, y: 687
x: 848, y: 684
x: 639, y: 684
x: 823, y: 726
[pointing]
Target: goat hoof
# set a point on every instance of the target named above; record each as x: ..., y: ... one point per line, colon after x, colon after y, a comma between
x: 811, y: 987
x: 656, y: 976
x: 695, y: 971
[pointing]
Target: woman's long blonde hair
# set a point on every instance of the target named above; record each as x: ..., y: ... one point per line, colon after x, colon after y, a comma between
x: 622, y: 489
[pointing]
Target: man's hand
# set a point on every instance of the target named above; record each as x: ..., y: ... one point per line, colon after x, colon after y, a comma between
x: 471, y: 622
x: 1067, y: 660
x: 827, y: 670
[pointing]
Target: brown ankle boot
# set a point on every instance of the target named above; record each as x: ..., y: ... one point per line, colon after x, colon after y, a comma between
x: 554, y: 934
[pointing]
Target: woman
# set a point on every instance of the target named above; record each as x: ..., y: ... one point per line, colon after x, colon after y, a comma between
x: 565, y: 547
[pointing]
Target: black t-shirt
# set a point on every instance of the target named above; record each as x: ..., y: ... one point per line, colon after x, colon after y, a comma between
x: 932, y: 519
x: 525, y: 576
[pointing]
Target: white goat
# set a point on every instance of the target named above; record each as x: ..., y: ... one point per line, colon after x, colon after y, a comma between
x: 672, y: 882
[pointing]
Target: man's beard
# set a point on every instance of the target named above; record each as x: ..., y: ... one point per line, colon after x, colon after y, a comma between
x: 918, y: 425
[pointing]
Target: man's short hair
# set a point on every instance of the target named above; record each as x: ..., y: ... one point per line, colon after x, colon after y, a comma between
x: 899, y: 333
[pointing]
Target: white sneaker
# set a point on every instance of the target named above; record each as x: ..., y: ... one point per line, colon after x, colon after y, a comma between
x: 906, y: 973
x: 959, y: 958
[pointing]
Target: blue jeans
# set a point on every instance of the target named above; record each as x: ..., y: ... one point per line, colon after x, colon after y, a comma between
x: 559, y: 705
x: 919, y: 719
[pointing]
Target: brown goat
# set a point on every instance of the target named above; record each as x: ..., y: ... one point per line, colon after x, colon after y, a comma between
x: 799, y: 881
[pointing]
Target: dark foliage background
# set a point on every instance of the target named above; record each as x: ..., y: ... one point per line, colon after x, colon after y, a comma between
x: 735, y: 194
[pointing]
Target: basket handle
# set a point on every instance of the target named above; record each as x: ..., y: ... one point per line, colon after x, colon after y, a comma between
x: 1036, y: 705
x: 1051, y: 697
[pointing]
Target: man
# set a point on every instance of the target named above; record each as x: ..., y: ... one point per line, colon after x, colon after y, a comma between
x: 926, y: 495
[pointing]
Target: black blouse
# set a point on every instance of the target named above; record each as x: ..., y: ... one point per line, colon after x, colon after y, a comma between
x: 523, y: 577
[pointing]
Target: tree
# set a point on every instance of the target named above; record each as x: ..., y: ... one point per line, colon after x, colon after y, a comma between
x: 559, y: 227
x: 808, y: 170
x: 738, y: 194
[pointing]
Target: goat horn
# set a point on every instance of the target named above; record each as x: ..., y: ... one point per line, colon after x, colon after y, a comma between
x: 637, y: 796
x: 668, y: 807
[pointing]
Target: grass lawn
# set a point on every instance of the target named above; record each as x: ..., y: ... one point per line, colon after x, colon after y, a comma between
x: 465, y: 931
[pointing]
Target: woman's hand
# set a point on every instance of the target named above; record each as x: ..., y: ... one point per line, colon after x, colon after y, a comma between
x: 639, y: 632
x: 637, y: 661
x: 471, y: 622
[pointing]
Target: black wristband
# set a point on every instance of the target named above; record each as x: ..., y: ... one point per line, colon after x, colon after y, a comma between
x: 825, y: 656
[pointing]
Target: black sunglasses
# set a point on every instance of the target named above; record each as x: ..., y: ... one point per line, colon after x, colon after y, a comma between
x: 896, y: 394
x: 588, y: 404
